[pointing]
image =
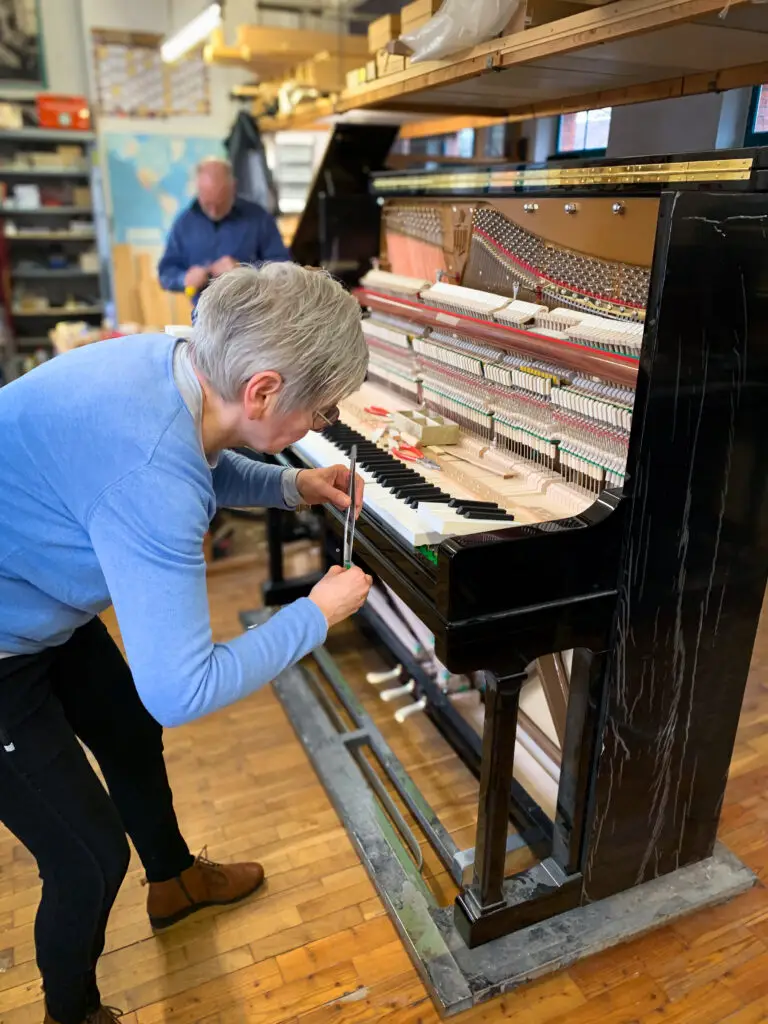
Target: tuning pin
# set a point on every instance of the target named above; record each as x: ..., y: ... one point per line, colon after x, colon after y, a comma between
x: 377, y: 678
x: 398, y: 691
x: 410, y: 709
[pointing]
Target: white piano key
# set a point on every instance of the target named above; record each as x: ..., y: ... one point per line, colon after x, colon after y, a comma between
x: 427, y: 525
x: 451, y: 523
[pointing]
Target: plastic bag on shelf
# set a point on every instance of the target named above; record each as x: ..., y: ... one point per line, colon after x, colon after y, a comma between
x: 459, y: 25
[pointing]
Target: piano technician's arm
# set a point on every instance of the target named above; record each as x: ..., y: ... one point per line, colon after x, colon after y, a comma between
x: 239, y: 482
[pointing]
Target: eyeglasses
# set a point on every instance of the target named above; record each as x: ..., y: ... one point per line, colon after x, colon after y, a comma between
x: 325, y: 419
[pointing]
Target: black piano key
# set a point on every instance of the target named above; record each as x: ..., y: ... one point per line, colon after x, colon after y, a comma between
x: 464, y: 503
x: 388, y: 479
x: 439, y: 499
x: 413, y: 485
x: 424, y: 493
x: 480, y: 514
x: 379, y: 459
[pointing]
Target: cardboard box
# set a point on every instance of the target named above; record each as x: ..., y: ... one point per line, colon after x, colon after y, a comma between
x: 541, y: 12
x: 356, y: 78
x: 388, y: 63
x: 382, y: 30
x: 89, y: 262
x: 44, y: 160
x: 11, y: 116
x: 419, y: 10
x: 81, y: 196
x: 327, y: 72
x: 414, y: 15
x: 70, y: 156
x: 428, y: 428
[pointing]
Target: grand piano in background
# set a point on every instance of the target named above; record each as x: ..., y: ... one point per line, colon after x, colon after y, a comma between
x: 603, y: 329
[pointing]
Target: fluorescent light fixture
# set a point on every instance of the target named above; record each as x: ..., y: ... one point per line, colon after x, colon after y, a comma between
x: 192, y: 34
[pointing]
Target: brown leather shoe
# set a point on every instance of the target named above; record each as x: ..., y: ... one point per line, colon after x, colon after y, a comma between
x: 104, y: 1015
x: 205, y: 884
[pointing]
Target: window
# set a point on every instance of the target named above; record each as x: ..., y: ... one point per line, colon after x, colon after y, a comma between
x: 584, y: 132
x: 757, y: 122
x: 460, y: 144
x: 495, y: 139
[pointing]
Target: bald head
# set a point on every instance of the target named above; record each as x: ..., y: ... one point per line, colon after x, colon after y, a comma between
x: 215, y: 187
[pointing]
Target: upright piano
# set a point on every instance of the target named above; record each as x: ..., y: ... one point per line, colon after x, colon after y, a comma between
x: 563, y: 436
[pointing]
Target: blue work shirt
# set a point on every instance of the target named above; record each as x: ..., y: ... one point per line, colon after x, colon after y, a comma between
x: 248, y: 234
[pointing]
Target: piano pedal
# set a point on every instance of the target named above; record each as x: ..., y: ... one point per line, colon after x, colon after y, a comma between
x: 411, y: 709
x: 377, y: 678
x: 398, y: 691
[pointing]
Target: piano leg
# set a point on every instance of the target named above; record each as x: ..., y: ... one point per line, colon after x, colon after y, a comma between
x: 278, y: 590
x: 501, y: 702
x: 489, y: 907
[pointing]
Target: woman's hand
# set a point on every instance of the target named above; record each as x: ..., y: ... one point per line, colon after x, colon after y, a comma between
x: 329, y: 485
x: 340, y: 593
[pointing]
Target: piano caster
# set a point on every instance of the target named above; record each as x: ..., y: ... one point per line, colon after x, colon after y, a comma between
x: 411, y: 709
x: 377, y: 678
x: 398, y: 691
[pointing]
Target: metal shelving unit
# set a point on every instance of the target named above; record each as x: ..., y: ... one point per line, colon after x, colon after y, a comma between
x: 61, y: 312
x: 45, y: 211
x: 54, y: 272
x: 25, y: 173
x: 41, y: 250
x: 45, y: 135
x: 51, y: 236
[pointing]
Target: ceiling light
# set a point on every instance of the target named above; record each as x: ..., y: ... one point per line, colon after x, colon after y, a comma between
x: 192, y: 34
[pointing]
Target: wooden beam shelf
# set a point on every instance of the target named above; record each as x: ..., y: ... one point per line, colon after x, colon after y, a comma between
x: 626, y: 51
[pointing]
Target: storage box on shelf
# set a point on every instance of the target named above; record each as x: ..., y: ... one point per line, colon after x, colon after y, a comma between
x: 381, y: 31
x: 414, y: 15
x: 63, y: 112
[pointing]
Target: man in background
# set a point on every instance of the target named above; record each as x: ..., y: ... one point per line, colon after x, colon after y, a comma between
x: 216, y: 232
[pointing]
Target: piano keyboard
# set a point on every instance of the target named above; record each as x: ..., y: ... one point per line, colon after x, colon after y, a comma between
x: 416, y: 509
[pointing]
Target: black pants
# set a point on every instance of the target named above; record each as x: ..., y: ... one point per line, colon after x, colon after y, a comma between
x: 53, y: 801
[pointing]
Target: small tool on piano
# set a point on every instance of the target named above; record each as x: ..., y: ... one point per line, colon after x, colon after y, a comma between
x: 408, y: 453
x: 349, y: 522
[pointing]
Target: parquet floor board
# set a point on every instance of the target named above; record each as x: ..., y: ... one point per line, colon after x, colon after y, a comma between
x: 316, y: 947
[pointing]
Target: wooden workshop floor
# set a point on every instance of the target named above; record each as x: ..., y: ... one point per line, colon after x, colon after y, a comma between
x: 317, y: 947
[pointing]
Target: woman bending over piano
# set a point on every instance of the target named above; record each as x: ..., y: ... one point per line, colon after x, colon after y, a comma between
x: 113, y: 460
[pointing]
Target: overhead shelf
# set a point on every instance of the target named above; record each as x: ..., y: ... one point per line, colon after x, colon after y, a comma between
x: 60, y: 311
x: 46, y: 211
x: 46, y: 273
x: 268, y: 51
x: 51, y: 236
x: 623, y: 52
x: 26, y: 344
x: 45, y: 135
x: 43, y: 172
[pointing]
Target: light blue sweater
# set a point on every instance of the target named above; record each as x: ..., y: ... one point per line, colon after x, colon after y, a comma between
x: 105, y: 497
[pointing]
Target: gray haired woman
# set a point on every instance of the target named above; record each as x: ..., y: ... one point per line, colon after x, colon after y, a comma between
x: 114, y: 459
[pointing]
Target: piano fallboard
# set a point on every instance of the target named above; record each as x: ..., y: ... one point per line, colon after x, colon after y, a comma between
x: 501, y: 598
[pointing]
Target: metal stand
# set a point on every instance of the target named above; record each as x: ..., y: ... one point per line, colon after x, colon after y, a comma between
x: 457, y: 976
x: 278, y: 590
